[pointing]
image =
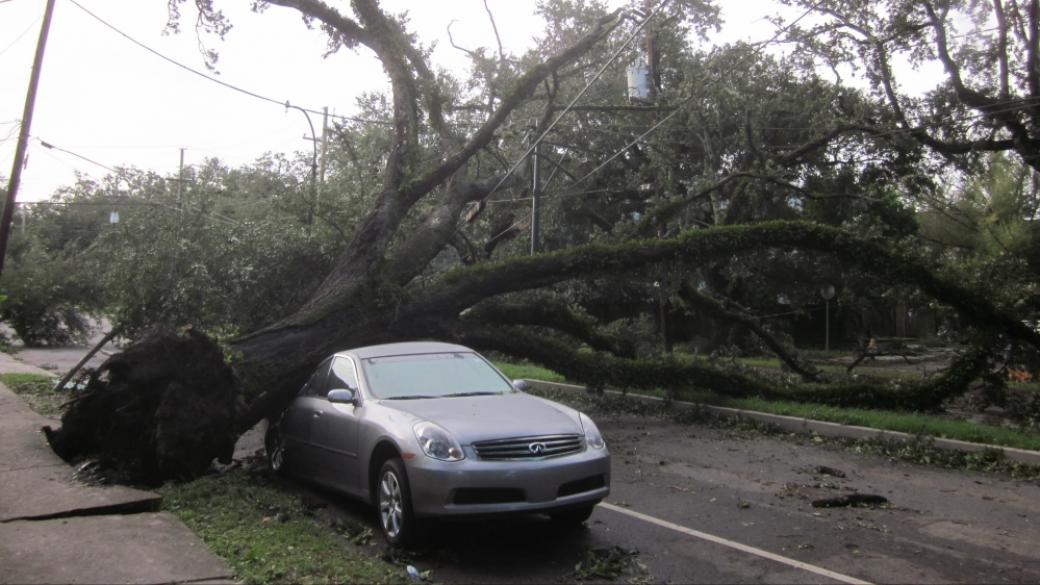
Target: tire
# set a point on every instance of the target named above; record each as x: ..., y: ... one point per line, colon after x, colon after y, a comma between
x: 394, y: 505
x: 572, y: 517
x: 275, y: 447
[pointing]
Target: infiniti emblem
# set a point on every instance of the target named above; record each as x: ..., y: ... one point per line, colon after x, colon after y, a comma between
x: 536, y: 448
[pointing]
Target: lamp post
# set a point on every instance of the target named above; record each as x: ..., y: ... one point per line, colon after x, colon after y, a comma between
x: 827, y: 292
x: 314, y: 162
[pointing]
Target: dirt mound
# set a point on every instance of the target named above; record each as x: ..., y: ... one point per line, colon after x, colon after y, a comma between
x: 162, y: 409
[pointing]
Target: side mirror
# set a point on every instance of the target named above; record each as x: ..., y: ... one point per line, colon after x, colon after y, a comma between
x: 342, y: 396
x: 520, y: 385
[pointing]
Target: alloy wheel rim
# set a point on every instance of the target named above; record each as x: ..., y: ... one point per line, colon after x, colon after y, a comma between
x: 277, y: 453
x: 391, y: 512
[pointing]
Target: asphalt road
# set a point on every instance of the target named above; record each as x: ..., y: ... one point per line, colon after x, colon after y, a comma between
x: 700, y: 505
x: 691, y: 504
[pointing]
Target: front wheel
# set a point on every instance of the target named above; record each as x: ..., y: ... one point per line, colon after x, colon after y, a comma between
x: 394, y: 499
x: 572, y: 516
x: 275, y: 451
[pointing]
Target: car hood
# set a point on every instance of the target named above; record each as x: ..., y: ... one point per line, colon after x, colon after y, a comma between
x: 481, y: 418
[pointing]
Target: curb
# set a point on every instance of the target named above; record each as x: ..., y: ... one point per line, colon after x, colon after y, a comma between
x: 824, y: 428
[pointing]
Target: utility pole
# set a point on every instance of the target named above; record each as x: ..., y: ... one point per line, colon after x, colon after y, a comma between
x: 536, y: 194
x: 324, y: 153
x: 180, y: 178
x: 650, y: 49
x: 23, y: 134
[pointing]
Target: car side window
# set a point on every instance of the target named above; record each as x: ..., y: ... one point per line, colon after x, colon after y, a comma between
x: 343, y: 375
x: 315, y: 386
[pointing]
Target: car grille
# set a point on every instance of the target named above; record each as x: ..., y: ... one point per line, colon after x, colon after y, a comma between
x: 530, y: 447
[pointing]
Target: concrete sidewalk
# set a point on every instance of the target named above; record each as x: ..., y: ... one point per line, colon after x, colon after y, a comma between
x: 54, y: 529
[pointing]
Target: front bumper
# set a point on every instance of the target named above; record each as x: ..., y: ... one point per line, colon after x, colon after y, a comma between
x: 477, y: 487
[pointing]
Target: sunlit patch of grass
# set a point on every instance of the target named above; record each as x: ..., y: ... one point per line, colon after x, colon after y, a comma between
x: 528, y: 372
x: 906, y: 422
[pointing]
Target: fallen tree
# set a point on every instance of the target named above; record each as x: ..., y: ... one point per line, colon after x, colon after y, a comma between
x: 380, y: 289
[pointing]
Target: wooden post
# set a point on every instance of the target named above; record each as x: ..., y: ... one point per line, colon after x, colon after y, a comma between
x: 23, y: 134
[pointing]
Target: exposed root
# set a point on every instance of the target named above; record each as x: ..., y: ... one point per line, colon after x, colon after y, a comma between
x: 162, y: 409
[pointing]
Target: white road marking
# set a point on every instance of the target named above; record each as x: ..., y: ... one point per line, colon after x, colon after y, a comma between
x: 736, y: 545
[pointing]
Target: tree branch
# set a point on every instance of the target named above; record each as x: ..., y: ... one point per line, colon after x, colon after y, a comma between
x: 463, y: 288
x: 436, y: 231
x: 383, y: 37
x: 522, y: 89
x: 997, y: 110
x: 498, y: 38
x: 600, y: 370
x: 552, y: 314
x: 698, y: 300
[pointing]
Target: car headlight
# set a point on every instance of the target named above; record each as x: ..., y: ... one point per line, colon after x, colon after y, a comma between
x: 437, y: 442
x: 592, y: 435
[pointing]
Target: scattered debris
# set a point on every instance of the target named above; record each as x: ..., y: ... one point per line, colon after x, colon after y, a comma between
x: 90, y: 473
x: 606, y: 564
x: 825, y: 470
x: 1016, y: 375
x: 850, y: 500
x: 354, y: 532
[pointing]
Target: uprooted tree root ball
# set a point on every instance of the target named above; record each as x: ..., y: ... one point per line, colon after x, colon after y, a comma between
x: 162, y: 409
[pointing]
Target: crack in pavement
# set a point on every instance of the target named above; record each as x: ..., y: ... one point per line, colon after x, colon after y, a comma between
x: 120, y: 509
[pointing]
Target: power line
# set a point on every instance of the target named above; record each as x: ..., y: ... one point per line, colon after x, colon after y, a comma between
x: 283, y: 103
x: 31, y: 26
x: 10, y: 133
x: 213, y: 214
x: 574, y: 101
x: 757, y: 49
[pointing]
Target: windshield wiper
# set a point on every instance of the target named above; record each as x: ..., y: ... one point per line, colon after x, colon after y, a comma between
x: 460, y: 394
x: 416, y: 397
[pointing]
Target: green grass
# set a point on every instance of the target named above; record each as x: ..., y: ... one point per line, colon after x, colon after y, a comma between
x: 37, y: 391
x: 867, y: 368
x: 907, y: 422
x: 528, y: 372
x: 267, y: 536
x: 759, y: 362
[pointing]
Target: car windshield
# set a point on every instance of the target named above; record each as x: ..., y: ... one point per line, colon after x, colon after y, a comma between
x: 436, y: 375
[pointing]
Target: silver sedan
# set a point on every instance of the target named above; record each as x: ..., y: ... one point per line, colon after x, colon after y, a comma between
x: 428, y: 429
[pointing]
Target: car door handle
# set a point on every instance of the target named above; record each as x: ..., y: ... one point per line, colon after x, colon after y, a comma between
x: 318, y: 413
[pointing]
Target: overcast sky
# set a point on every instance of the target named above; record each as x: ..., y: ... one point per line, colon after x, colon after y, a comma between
x: 106, y: 99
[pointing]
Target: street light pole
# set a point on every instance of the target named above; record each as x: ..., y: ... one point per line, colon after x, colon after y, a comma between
x: 314, y: 161
x: 827, y: 293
